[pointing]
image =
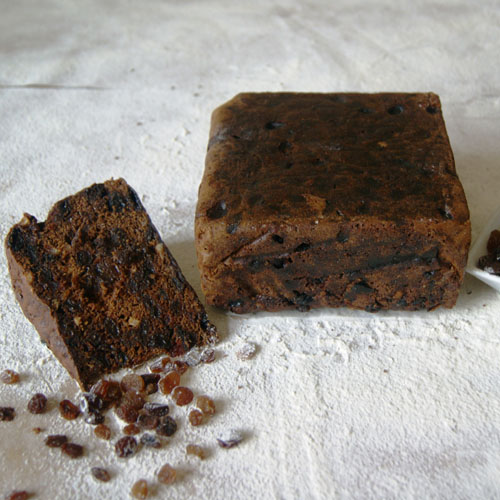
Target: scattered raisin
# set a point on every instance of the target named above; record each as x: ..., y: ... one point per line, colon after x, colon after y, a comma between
x: 72, y: 450
x: 37, y: 430
x: 160, y: 365
x: 156, y: 409
x: 131, y: 430
x: 68, y: 410
x: 56, y: 440
x: 18, y: 495
x: 100, y: 474
x: 229, y: 439
x: 169, y: 381
x: 102, y: 431
x: 148, y: 421
x: 181, y: 367
x: 132, y: 382
x: 133, y: 399
x: 150, y: 440
x: 37, y: 404
x: 151, y: 382
x: 208, y: 356
x: 493, y: 245
x: 7, y: 413
x: 182, y: 395
x: 126, y: 413
x: 167, y: 427
x: 206, y: 405
x: 126, y: 446
x: 246, y: 352
x: 108, y: 390
x: 9, y: 377
x: 198, y: 451
x: 167, y: 474
x: 140, y: 489
x: 195, y: 417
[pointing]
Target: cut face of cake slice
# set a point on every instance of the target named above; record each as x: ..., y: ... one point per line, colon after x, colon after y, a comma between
x: 100, y: 286
x: 314, y: 200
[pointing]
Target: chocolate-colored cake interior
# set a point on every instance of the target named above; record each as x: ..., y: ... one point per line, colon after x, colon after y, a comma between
x: 100, y: 286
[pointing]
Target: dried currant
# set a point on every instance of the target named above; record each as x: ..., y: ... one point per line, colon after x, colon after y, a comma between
x: 108, y: 390
x: 198, y: 451
x: 100, y: 474
x: 160, y: 365
x: 102, y: 431
x: 156, y: 409
x: 18, y: 495
x: 230, y: 438
x: 68, y: 410
x: 7, y: 413
x: 126, y: 446
x: 148, y: 421
x: 126, y: 413
x: 72, y: 450
x: 9, y: 377
x: 169, y: 381
x: 206, y: 405
x: 37, y: 404
x: 132, y: 382
x: 167, y: 427
x: 167, y: 474
x: 195, y: 417
x: 140, y: 489
x: 56, y: 440
x: 181, y: 367
x: 133, y: 400
x: 208, y: 356
x: 246, y: 351
x: 131, y: 430
x: 151, y: 382
x: 182, y: 395
x: 150, y: 440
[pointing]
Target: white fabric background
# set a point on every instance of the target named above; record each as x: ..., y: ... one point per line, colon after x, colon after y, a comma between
x: 336, y: 404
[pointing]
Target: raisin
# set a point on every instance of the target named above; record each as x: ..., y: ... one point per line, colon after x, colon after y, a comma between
x: 198, y: 451
x: 133, y: 399
x: 229, y: 439
x: 169, y: 381
x: 90, y: 401
x: 131, y: 430
x: 395, y: 110
x: 182, y: 395
x: 100, y: 474
x: 156, y: 409
x: 208, y: 356
x: 151, y: 382
x: 206, y: 405
x: 108, y: 390
x: 167, y: 474
x: 132, y: 382
x: 150, y: 440
x: 9, y: 377
x: 140, y: 489
x: 217, y: 210
x: 126, y: 446
x: 7, y: 413
x: 148, y: 422
x: 56, y: 440
x: 195, y: 417
x: 246, y: 351
x: 37, y: 430
x: 18, y: 495
x: 72, y: 450
x: 102, y: 431
x: 68, y: 410
x: 126, y: 413
x: 180, y: 367
x: 37, y: 404
x: 167, y: 427
x: 493, y: 245
x: 160, y: 365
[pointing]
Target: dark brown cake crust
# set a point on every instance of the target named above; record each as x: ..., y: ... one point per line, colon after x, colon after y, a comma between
x: 100, y: 286
x: 312, y: 200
